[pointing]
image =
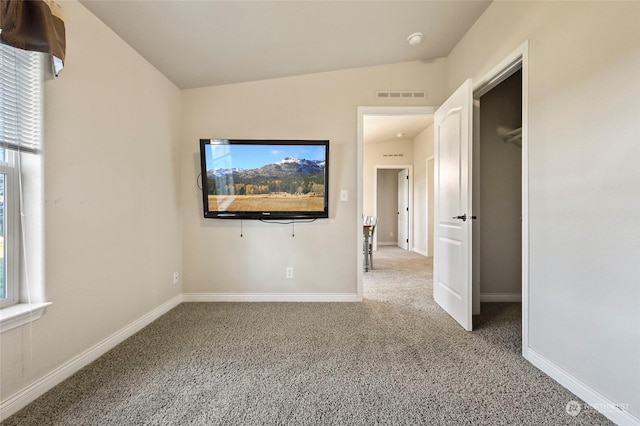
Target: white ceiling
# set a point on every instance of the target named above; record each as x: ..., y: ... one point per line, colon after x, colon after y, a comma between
x: 385, y: 128
x: 205, y: 43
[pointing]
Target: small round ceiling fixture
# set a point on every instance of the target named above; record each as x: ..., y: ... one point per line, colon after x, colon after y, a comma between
x: 414, y: 39
x: 400, y: 134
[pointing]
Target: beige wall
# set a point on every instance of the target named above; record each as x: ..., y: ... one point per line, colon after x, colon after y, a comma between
x: 422, y: 149
x: 112, y: 222
x: 584, y: 104
x: 408, y: 152
x: 116, y: 192
x: 387, y: 155
x: 318, y: 106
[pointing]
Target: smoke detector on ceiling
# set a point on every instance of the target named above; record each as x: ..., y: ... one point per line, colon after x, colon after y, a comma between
x: 414, y: 39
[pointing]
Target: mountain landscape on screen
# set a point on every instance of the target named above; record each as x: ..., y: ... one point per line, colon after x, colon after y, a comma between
x: 286, y: 167
x: 294, y: 176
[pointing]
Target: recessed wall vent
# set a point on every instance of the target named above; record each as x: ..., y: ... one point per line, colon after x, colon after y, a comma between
x: 400, y: 94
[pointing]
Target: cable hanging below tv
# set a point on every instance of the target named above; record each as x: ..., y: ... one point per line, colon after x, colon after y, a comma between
x: 265, y: 179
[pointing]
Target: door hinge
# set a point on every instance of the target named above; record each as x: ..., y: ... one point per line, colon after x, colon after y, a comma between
x: 407, y: 240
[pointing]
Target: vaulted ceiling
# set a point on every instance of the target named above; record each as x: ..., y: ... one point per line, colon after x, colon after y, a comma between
x: 205, y: 43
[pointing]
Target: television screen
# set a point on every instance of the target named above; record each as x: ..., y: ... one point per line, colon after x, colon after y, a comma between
x: 265, y: 179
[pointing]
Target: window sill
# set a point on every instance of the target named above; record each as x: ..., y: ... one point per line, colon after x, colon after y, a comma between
x: 20, y: 314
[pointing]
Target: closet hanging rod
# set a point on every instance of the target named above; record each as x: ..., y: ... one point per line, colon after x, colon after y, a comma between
x: 514, y: 136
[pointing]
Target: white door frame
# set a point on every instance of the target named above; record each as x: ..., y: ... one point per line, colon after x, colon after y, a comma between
x: 362, y: 111
x: 518, y: 59
x: 398, y: 167
x: 403, y: 191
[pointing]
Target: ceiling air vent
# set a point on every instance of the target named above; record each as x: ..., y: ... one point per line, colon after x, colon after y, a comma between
x: 400, y: 94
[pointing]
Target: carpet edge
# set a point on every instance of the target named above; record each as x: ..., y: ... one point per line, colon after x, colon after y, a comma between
x: 30, y: 393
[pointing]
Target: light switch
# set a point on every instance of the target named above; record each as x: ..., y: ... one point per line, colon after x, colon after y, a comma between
x: 344, y: 195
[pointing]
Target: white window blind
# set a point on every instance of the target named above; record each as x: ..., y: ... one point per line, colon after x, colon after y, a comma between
x: 20, y: 87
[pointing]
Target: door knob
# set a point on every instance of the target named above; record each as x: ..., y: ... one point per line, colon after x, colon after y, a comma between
x: 463, y: 217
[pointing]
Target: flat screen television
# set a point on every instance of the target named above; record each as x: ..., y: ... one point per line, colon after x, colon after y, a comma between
x: 265, y: 179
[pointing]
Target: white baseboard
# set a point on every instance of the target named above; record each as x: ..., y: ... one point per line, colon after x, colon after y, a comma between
x: 500, y: 297
x: 21, y: 399
x: 271, y: 297
x: 610, y: 409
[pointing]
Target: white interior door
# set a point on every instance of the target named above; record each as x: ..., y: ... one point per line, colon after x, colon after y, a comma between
x: 452, y: 248
x: 403, y: 209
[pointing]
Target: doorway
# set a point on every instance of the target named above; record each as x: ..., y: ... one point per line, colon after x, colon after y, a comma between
x: 366, y: 175
x: 457, y: 261
x: 392, y: 202
x: 497, y: 193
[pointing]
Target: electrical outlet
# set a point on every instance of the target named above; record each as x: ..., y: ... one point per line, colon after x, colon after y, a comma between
x: 289, y: 272
x: 391, y: 233
x: 175, y: 278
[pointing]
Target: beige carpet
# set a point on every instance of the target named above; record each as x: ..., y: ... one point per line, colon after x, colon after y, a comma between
x: 395, y: 359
